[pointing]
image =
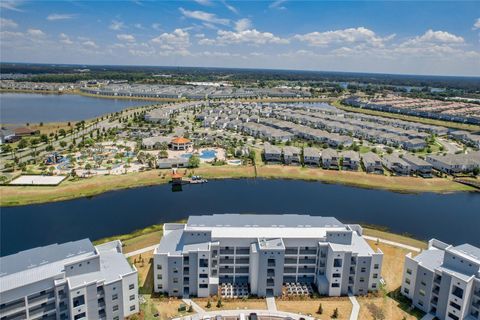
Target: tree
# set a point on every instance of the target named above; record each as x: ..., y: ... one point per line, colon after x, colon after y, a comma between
x: 88, y: 166
x: 194, y: 161
x: 6, y: 148
x: 22, y: 144
x: 163, y: 154
x: 63, y: 144
x: 190, y: 308
x: 335, y: 314
x: 219, y: 303
x: 209, y: 304
x: 320, y: 309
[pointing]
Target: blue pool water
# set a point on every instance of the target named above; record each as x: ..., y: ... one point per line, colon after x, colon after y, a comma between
x: 204, y: 154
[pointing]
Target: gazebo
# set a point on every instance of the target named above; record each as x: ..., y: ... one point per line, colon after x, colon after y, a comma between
x: 180, y: 143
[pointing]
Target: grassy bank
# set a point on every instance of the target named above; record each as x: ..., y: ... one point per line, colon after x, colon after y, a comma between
x: 448, y: 124
x: 71, y: 189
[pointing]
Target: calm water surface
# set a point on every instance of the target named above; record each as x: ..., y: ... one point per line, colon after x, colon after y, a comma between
x: 19, y: 108
x: 453, y: 218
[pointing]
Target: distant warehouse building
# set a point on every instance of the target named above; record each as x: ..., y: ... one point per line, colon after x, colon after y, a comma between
x: 444, y: 281
x: 266, y: 252
x: 74, y: 280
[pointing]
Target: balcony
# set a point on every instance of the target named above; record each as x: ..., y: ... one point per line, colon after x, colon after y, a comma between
x: 290, y: 260
x: 306, y: 261
x: 289, y: 270
x: 226, y: 261
x: 41, y: 299
x: 226, y: 251
x: 308, y: 251
x: 12, y: 308
x: 477, y: 293
x: 291, y: 251
x: 436, y: 290
x: 242, y: 261
x: 243, y: 251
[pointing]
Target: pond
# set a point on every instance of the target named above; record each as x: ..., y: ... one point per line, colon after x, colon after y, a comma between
x: 20, y: 108
x: 454, y: 218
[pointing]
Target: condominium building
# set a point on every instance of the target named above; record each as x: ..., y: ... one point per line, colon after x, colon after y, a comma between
x: 265, y: 252
x: 74, y: 280
x: 444, y: 281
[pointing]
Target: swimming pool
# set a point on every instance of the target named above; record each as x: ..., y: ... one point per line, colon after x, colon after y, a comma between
x: 206, y: 154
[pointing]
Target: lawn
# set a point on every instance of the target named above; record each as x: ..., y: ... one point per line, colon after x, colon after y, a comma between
x: 310, y: 307
x: 71, y: 189
x: 232, y: 304
x: 395, y: 237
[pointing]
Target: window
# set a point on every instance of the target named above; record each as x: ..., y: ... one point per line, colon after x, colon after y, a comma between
x: 159, y: 276
x: 203, y: 276
x: 407, y: 281
x: 374, y: 285
x: 337, y: 263
x: 409, y: 271
x: 335, y: 285
x: 132, y: 297
x: 421, y: 292
x: 375, y: 276
x: 80, y: 316
x: 115, y: 307
x: 336, y: 275
x: 116, y: 318
x: 203, y: 285
x: 159, y: 286
x: 457, y: 292
x: 175, y: 280
x: 362, y: 279
x: 132, y: 308
x: 131, y: 287
x: 159, y: 267
x: 363, y: 269
x: 456, y: 306
x: 420, y: 303
x: 423, y: 283
x: 406, y: 291
x: 115, y: 296
x: 452, y: 316
x: 376, y: 266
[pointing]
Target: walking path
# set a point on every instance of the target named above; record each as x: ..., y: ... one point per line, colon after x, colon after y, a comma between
x: 140, y: 251
x: 355, y: 307
x: 195, y: 306
x: 393, y: 243
x: 236, y: 313
x: 271, y: 306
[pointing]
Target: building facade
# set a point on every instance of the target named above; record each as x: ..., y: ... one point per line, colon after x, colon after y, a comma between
x: 74, y: 281
x: 265, y: 252
x: 444, y: 281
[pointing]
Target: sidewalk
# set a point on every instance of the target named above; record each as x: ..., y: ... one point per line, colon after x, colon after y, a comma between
x: 140, y: 251
x: 393, y: 243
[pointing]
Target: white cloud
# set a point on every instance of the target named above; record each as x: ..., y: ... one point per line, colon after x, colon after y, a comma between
x: 126, y: 37
x: 243, y: 24
x: 65, y: 39
x: 139, y: 26
x: 204, y: 2
x: 11, y: 5
x: 90, y: 44
x: 204, y: 16
x: 179, y: 40
x: 251, y: 36
x: 476, y: 25
x: 156, y: 26
x: 431, y: 36
x: 278, y: 4
x: 60, y: 16
x: 37, y: 33
x: 230, y: 7
x: 358, y: 35
x: 116, y: 25
x: 7, y: 23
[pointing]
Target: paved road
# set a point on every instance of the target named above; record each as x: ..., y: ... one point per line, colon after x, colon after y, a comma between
x: 140, y: 251
x: 393, y: 243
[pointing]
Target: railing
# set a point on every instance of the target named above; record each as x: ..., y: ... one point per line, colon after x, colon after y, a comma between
x: 306, y: 261
x: 308, y: 251
x: 242, y: 260
x: 226, y: 251
x: 243, y: 251
x: 291, y: 251
x: 290, y: 261
x: 226, y: 261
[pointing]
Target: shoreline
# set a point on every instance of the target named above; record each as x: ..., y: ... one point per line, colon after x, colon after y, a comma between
x: 11, y: 196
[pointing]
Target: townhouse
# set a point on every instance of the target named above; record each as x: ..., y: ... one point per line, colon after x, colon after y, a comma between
x: 271, y: 153
x: 372, y: 163
x: 396, y: 164
x: 291, y: 155
x: 73, y: 280
x: 265, y: 252
x: 311, y: 156
x: 444, y: 281
x: 330, y: 159
x: 350, y: 160
x: 455, y: 163
x: 418, y: 165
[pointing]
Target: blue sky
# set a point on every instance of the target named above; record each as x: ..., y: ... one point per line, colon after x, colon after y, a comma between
x: 412, y: 37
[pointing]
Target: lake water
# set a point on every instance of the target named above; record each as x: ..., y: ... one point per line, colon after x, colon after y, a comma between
x: 453, y: 218
x: 19, y: 108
